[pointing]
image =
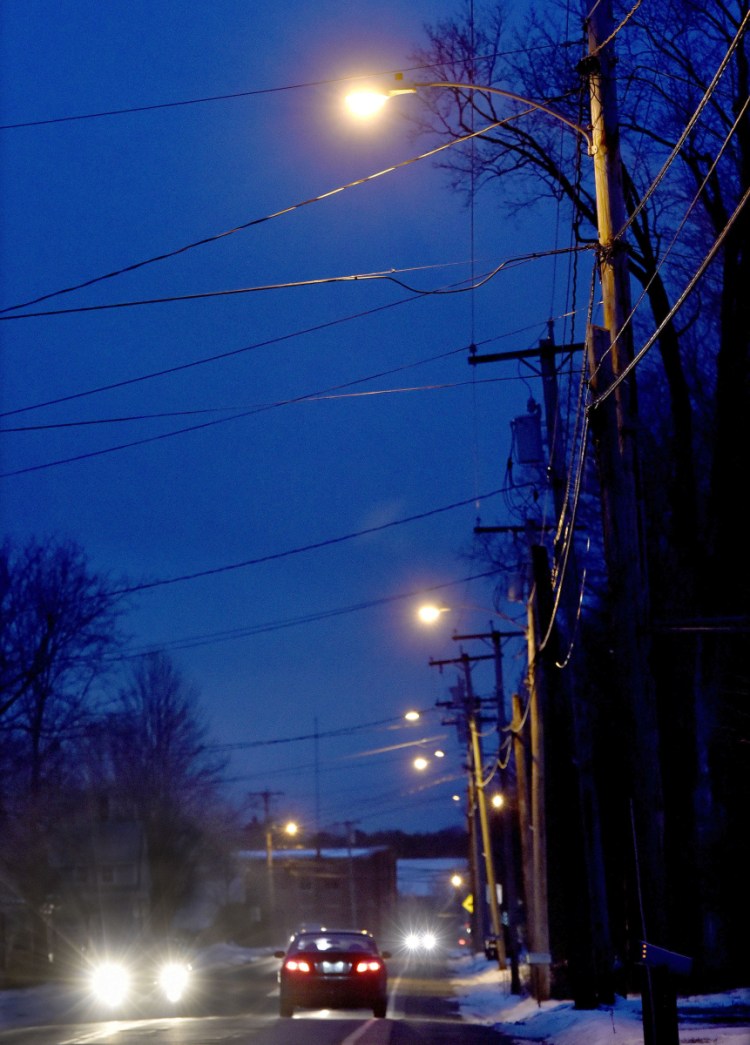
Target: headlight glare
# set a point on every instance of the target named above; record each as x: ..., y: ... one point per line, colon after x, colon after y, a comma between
x: 110, y: 983
x: 173, y: 980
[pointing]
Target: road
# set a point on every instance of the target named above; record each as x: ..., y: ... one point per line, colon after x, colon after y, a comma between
x: 240, y: 1007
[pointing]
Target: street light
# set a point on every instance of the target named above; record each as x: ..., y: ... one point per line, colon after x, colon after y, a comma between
x: 429, y: 612
x: 368, y: 101
x: 290, y: 829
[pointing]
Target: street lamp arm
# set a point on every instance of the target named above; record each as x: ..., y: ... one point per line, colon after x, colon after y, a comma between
x: 410, y: 88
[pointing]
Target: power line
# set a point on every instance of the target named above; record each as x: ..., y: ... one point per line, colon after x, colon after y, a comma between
x: 233, y: 96
x: 228, y: 635
x: 274, y: 556
x: 387, y: 276
x: 190, y: 428
x: 230, y: 232
x: 168, y: 371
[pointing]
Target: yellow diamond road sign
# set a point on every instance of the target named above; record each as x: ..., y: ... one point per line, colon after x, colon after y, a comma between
x: 468, y: 904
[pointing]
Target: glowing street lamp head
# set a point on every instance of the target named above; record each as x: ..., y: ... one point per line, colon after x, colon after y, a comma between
x: 365, y: 102
x: 420, y: 764
x: 429, y: 613
x: 368, y: 100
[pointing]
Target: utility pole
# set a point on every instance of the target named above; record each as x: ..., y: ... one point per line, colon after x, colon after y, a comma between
x: 509, y: 883
x: 266, y: 797
x: 614, y: 425
x: 349, y: 826
x: 539, y: 658
x: 522, y: 794
x: 470, y: 713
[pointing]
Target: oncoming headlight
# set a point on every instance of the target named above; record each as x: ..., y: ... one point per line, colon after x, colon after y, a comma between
x: 420, y: 941
x: 110, y: 983
x: 173, y: 980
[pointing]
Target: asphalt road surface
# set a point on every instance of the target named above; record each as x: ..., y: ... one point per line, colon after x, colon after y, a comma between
x: 240, y: 1007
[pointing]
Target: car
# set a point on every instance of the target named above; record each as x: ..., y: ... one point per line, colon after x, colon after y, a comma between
x: 421, y: 942
x: 333, y: 969
x: 139, y: 979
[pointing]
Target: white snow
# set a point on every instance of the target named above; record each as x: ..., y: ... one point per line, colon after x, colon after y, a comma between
x: 484, y: 996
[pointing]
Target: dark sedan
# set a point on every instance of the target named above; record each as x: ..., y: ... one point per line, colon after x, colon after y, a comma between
x: 342, y: 969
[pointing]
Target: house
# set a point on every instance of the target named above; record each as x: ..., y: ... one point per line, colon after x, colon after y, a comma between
x: 336, y: 887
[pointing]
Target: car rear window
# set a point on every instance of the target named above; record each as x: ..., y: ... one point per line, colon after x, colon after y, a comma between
x: 355, y: 944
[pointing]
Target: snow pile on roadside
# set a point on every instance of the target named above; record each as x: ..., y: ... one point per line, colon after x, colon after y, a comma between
x: 484, y: 997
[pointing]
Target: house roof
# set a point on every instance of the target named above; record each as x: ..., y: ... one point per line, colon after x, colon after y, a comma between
x: 312, y: 854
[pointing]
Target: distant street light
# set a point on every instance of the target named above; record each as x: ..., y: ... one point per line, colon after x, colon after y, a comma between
x: 431, y: 612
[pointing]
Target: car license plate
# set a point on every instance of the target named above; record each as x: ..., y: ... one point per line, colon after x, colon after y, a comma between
x: 330, y: 968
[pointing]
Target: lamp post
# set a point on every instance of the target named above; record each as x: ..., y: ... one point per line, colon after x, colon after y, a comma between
x: 290, y: 828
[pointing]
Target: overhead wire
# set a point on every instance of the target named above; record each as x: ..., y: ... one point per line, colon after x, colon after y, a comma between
x: 313, y: 546
x: 235, y: 95
x: 319, y: 397
x: 662, y: 261
x: 709, y: 257
x: 618, y: 28
x: 388, y: 276
x: 167, y: 371
x: 145, y: 440
x: 210, y: 638
x: 703, y: 266
x: 674, y: 152
x: 166, y: 255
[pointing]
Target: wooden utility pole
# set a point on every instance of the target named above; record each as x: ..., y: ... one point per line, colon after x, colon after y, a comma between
x: 522, y: 795
x: 540, y: 958
x: 509, y: 883
x: 614, y: 425
x: 478, y: 764
x: 477, y: 771
x: 266, y: 797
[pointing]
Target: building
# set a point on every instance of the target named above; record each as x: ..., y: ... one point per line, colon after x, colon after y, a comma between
x: 352, y: 887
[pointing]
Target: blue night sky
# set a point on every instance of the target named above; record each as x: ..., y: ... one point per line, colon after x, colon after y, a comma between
x: 224, y: 435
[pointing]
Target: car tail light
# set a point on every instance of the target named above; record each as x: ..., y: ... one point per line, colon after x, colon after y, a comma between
x: 371, y: 966
x: 297, y: 965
